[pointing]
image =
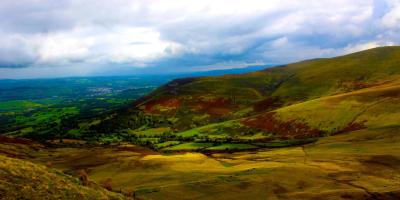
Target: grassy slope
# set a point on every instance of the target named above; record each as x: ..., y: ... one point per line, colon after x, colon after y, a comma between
x: 371, y: 107
x: 290, y: 103
x: 336, y: 167
x: 323, y: 77
x: 25, y: 180
x: 299, y: 81
x: 366, y: 108
x: 357, y: 165
x: 200, y: 101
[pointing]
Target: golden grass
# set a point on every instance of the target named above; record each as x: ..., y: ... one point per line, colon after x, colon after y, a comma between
x: 374, y: 107
x: 352, y: 165
x: 25, y: 180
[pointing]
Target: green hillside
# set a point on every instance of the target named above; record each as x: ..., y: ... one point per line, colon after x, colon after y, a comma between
x: 279, y: 106
x: 213, y: 98
x: 368, y: 108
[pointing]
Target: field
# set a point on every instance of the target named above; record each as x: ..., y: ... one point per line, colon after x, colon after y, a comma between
x: 40, y: 109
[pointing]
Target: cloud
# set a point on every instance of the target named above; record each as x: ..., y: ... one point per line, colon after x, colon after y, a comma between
x: 364, y: 46
x: 94, y: 36
x: 100, y: 45
x: 392, y: 18
x: 16, y: 51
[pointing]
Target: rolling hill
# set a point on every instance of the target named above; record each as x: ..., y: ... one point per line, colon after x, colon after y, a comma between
x: 283, y: 105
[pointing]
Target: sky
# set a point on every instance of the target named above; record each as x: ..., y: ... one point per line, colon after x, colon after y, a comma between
x: 58, y: 38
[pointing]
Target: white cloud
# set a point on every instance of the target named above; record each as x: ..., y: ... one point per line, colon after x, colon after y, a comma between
x: 392, y: 18
x: 136, y: 44
x: 351, y: 48
x: 96, y: 45
x: 63, y: 47
x: 280, y: 42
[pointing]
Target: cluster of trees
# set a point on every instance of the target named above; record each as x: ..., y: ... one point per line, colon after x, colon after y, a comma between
x: 49, y: 130
x: 131, y: 120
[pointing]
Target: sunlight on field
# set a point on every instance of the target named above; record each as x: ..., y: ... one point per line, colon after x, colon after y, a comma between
x: 352, y: 165
x: 372, y: 107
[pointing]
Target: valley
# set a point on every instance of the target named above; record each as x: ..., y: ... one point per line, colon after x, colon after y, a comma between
x: 316, y: 129
x: 276, y: 107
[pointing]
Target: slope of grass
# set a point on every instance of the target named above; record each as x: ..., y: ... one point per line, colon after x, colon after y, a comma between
x: 24, y: 180
x: 216, y: 99
x: 298, y: 81
x: 359, y: 165
x: 371, y: 107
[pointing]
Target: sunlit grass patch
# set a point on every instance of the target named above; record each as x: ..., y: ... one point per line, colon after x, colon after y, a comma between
x: 372, y: 107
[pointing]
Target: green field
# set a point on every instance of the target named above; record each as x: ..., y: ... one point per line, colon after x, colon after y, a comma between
x: 18, y: 105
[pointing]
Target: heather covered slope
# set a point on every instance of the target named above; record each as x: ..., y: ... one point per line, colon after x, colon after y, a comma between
x: 372, y: 107
x: 210, y: 99
x: 369, y: 108
x: 286, y: 105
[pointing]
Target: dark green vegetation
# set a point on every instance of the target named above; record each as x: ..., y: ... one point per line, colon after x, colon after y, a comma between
x: 44, y: 109
x: 48, y: 108
x: 317, y: 129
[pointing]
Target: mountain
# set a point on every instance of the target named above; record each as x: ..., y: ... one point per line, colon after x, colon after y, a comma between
x: 288, y: 104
